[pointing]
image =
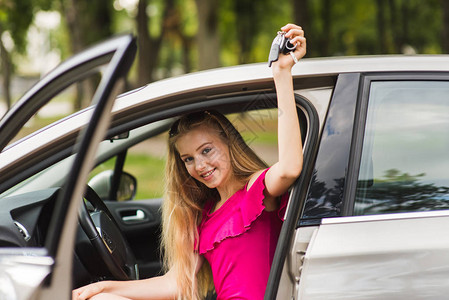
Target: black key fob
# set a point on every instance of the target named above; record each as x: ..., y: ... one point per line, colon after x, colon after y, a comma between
x: 275, y: 48
x: 280, y: 45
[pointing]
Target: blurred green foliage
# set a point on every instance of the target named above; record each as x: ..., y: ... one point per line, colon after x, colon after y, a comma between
x: 349, y: 27
x: 148, y: 169
x: 245, y: 28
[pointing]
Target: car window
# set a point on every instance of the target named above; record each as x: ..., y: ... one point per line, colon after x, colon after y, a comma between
x: 405, y: 150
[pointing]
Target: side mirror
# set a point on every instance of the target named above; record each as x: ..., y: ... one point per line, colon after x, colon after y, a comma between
x: 102, y: 185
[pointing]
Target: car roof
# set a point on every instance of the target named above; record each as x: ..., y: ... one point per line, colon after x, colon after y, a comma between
x: 212, y: 81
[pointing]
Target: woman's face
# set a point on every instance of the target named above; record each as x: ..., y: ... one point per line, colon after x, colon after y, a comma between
x: 205, y: 156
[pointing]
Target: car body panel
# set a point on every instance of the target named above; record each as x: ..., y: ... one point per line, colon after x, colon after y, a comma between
x: 22, y: 271
x: 403, y: 256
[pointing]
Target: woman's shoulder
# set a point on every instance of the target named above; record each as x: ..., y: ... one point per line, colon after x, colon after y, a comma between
x: 256, y: 175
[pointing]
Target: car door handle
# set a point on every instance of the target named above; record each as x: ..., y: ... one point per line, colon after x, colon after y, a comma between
x: 133, y: 216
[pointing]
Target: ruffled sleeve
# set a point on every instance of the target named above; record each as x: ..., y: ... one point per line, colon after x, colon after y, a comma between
x: 235, y: 216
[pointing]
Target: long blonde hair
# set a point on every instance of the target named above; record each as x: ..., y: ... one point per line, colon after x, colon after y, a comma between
x: 185, y: 198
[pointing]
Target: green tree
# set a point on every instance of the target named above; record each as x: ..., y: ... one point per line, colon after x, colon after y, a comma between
x: 208, y: 39
x: 15, y: 19
x: 189, y: 35
x: 373, y: 26
x: 88, y: 22
x: 165, y: 30
x: 445, y: 30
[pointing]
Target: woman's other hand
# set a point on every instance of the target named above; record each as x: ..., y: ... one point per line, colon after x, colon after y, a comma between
x: 87, y: 291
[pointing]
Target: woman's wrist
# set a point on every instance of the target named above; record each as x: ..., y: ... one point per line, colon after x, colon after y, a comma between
x: 104, y: 286
x: 282, y: 73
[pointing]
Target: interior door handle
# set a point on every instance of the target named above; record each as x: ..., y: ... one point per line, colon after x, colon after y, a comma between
x: 137, y: 215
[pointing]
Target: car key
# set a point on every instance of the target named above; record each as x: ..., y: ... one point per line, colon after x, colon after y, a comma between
x: 275, y: 48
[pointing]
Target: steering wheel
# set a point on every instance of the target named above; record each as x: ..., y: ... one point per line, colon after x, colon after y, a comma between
x: 106, y: 237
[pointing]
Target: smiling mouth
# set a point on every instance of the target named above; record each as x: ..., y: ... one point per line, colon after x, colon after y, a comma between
x: 206, y: 175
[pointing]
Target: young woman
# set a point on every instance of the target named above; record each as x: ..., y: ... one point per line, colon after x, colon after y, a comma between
x: 223, y: 207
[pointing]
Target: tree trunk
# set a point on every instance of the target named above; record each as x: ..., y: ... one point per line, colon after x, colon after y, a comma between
x: 143, y: 45
x: 77, y: 43
x: 247, y: 27
x: 6, y: 72
x: 395, y: 21
x: 301, y: 15
x: 381, y: 21
x: 186, y: 54
x: 88, y: 22
x: 186, y: 42
x: 149, y: 47
x: 208, y: 38
x: 70, y: 11
x: 445, y: 12
x: 405, y: 27
x: 301, y: 18
x: 326, y: 17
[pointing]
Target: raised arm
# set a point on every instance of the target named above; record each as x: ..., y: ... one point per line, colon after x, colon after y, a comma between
x: 283, y: 173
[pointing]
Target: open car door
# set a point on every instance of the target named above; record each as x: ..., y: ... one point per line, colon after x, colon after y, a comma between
x: 45, y: 272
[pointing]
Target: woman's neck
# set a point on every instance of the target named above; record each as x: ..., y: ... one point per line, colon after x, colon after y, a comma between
x: 229, y: 189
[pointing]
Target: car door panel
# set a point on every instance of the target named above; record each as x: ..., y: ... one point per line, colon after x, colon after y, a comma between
x: 388, y: 254
x: 378, y: 258
x: 140, y: 222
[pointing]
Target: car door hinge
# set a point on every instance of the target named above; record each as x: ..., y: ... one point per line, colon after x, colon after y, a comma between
x: 300, y: 254
x: 302, y: 240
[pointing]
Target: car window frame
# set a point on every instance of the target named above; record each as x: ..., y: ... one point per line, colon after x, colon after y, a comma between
x: 360, y: 125
x: 67, y: 73
x: 343, y: 102
x: 297, y: 196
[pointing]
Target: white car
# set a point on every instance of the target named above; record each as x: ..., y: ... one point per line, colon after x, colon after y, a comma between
x: 367, y: 219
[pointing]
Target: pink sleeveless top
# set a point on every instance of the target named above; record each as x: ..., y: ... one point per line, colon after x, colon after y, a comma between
x: 238, y: 240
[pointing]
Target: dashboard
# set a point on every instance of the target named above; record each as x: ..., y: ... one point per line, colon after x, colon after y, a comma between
x: 25, y: 218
